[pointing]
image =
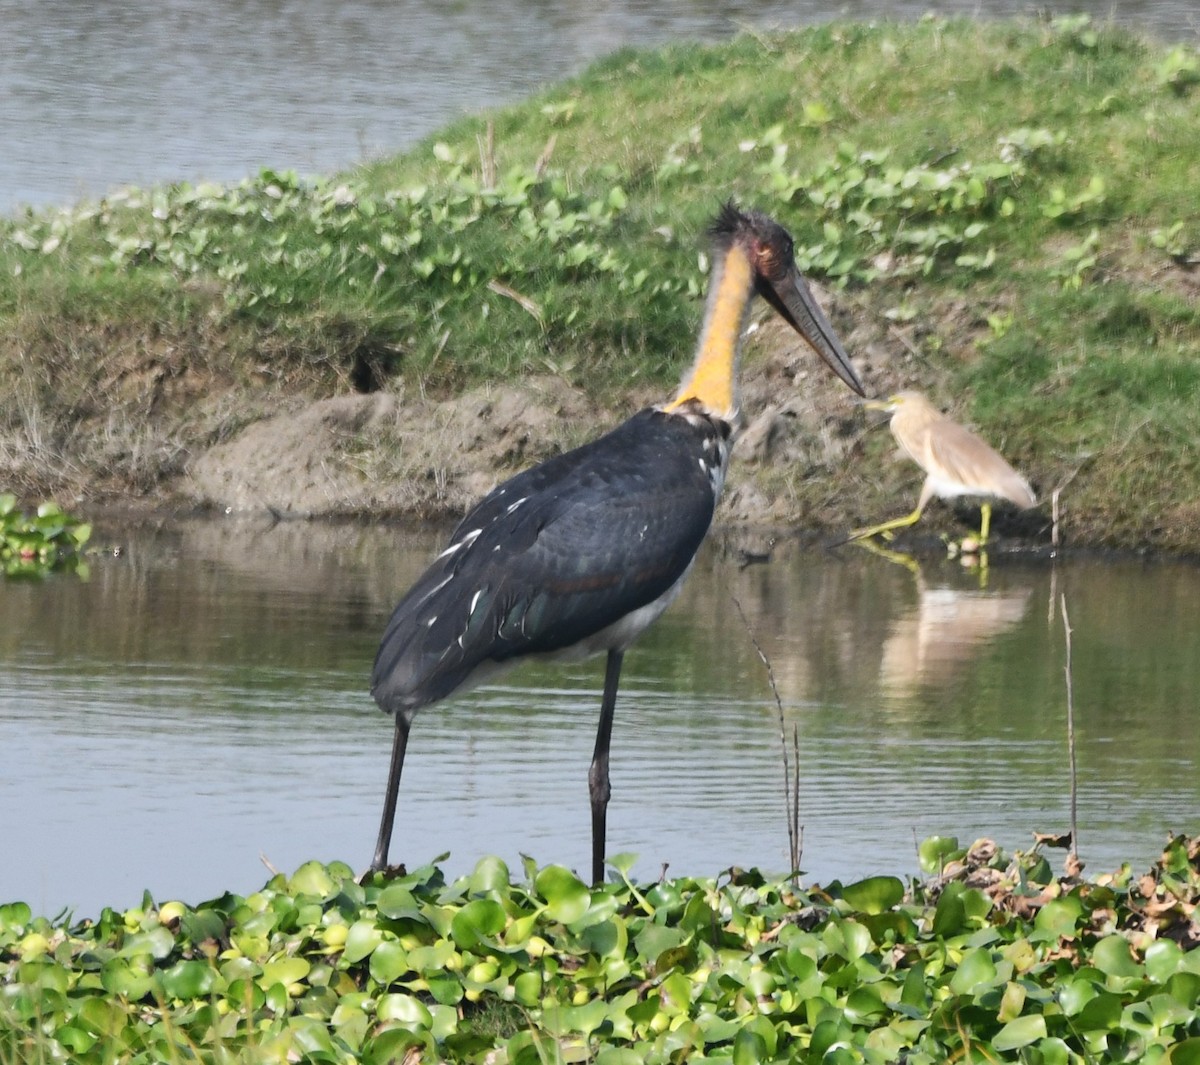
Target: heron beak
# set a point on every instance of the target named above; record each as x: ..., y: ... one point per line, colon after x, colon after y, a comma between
x: 792, y: 298
x: 878, y: 404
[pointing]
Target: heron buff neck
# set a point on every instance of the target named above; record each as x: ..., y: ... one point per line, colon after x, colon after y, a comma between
x: 712, y: 380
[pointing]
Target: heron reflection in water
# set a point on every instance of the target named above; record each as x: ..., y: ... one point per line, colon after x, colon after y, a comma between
x: 931, y: 642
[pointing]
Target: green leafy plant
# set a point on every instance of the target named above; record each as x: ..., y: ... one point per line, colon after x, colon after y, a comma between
x: 33, y: 545
x: 1061, y: 204
x: 1179, y: 70
x: 1172, y: 240
x: 991, y: 959
x: 1078, y: 261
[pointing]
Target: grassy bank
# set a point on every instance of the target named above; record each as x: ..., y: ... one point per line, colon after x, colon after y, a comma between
x: 1004, y: 215
x: 996, y: 959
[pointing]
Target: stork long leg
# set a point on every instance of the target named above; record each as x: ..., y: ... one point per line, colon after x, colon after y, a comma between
x: 399, y: 743
x: 598, y: 785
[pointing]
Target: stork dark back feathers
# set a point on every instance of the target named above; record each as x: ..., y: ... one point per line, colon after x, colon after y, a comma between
x: 530, y: 570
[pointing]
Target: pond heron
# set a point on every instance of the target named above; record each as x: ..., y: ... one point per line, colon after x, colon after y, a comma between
x: 955, y: 460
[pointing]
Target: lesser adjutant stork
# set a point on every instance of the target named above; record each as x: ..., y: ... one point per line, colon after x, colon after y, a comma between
x: 581, y: 553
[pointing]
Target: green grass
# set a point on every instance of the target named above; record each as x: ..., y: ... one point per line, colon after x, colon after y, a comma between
x: 1016, y: 198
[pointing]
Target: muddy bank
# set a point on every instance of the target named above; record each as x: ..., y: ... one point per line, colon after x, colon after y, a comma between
x: 807, y: 455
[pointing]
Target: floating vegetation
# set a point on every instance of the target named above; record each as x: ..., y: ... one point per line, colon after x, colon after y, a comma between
x: 32, y: 545
x: 994, y: 959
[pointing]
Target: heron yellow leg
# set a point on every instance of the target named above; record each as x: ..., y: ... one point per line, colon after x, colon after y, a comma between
x: 985, y: 522
x: 887, y: 526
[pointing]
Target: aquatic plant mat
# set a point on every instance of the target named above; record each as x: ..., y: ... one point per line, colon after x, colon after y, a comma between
x: 994, y: 959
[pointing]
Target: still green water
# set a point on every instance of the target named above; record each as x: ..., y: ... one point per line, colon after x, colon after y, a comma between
x: 199, y: 708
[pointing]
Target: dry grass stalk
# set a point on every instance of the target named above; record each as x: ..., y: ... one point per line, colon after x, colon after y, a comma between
x: 791, y: 769
x: 1074, y: 865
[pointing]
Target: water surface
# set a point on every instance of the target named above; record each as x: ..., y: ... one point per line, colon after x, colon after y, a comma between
x: 94, y: 97
x: 200, y: 707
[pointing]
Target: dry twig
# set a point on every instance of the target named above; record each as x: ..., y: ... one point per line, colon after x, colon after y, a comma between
x: 1074, y: 866
x: 791, y: 772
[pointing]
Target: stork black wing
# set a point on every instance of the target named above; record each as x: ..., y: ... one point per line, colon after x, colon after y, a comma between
x: 553, y: 557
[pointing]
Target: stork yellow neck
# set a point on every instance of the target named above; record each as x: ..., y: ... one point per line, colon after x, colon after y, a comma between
x: 713, y: 378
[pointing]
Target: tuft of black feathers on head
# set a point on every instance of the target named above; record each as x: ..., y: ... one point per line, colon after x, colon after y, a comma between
x: 730, y: 220
x: 733, y: 222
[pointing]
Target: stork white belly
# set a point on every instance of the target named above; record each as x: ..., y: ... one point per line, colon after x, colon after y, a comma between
x: 621, y: 633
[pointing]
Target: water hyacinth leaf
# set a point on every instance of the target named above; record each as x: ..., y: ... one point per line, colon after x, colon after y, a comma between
x: 893, y: 925
x: 75, y: 1039
x: 479, y: 921
x: 527, y: 988
x: 601, y: 907
x: 1163, y: 959
x: 1113, y: 957
x: 190, y: 979
x: 389, y: 961
x: 199, y: 925
x: 949, y: 916
x: 397, y: 901
x: 444, y: 1023
x: 976, y: 973
x: 1020, y: 1032
x: 1054, y: 1051
x: 1154, y: 1014
x: 915, y: 991
x: 863, y: 1005
x: 607, y: 939
x: 1185, y: 987
x: 363, y: 938
x: 1057, y: 919
x: 102, y: 1017
x: 125, y: 977
x: 934, y: 852
x: 404, y: 1009
x: 802, y: 965
x: 623, y: 863
x: 567, y: 898
x: 1075, y: 993
x: 391, y: 1046
x: 749, y: 1047
x: 245, y: 994
x: 490, y: 876
x: 1185, y: 1053
x: 856, y: 939
x: 875, y: 894
x: 675, y: 993
x: 157, y: 943
x: 977, y: 905
x: 619, y: 1056
x: 312, y: 878
x: 654, y: 940
x: 285, y: 971
x: 825, y: 1034
x: 1012, y: 1002
x: 1102, y: 1013
x: 310, y: 1036
x: 14, y: 916
x: 445, y: 988
x: 561, y: 1020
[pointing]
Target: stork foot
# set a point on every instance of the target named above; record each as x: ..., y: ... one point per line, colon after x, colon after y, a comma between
x: 387, y: 872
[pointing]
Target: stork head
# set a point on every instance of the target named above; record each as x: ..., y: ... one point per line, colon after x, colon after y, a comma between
x: 770, y: 249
